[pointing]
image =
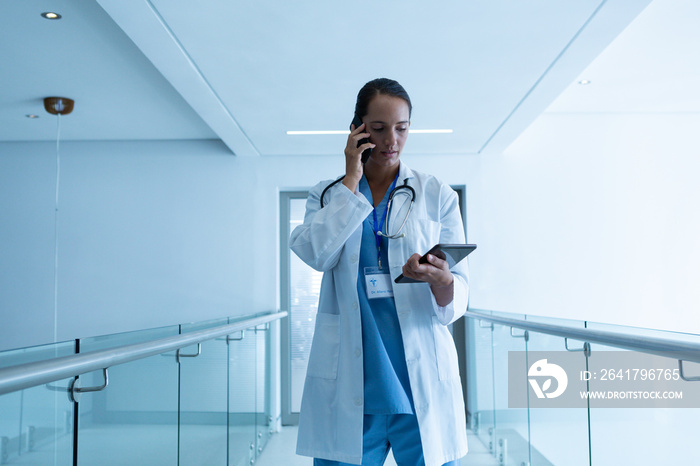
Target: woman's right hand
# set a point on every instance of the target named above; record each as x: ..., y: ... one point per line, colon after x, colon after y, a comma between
x: 353, y: 156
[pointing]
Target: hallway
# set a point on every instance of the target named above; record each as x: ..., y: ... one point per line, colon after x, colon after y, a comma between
x: 281, y: 447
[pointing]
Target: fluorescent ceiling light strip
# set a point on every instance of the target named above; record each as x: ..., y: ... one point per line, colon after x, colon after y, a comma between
x: 308, y: 133
x: 414, y: 131
x: 430, y: 131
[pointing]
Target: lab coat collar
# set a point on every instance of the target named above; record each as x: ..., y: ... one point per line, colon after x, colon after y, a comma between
x: 404, y: 173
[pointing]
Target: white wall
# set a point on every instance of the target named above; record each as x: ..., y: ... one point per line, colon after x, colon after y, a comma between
x: 584, y: 217
x: 593, y: 217
x: 150, y: 233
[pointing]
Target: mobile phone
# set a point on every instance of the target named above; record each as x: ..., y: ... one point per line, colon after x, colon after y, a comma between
x: 452, y: 253
x: 357, y: 121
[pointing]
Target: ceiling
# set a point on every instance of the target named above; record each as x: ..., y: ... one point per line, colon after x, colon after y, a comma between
x: 247, y: 72
x: 653, y: 67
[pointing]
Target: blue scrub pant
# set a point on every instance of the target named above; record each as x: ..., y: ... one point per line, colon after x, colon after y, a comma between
x: 381, y: 432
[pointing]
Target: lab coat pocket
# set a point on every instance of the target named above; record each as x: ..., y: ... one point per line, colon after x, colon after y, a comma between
x: 445, y: 351
x: 323, y: 360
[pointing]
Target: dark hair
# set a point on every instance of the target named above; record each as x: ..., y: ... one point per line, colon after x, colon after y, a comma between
x: 380, y: 86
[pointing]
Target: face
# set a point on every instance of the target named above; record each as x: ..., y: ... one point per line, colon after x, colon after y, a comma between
x: 387, y: 121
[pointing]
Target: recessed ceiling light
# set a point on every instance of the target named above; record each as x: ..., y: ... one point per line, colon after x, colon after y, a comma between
x: 584, y: 82
x: 51, y: 15
x: 32, y: 116
x: 414, y: 131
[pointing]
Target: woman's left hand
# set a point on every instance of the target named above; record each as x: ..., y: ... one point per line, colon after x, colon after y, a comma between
x: 436, y: 272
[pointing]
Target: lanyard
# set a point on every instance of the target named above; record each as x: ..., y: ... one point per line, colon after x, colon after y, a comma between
x: 377, y: 226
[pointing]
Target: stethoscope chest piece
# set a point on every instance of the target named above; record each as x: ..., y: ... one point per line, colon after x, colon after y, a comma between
x: 398, y: 190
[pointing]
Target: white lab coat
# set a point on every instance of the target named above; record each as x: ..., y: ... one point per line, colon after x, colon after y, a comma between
x: 331, y: 417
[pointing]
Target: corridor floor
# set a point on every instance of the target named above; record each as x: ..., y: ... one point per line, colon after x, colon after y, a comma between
x: 280, y: 452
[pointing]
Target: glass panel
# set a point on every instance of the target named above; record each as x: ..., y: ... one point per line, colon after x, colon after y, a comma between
x: 305, y: 287
x: 242, y: 398
x: 203, y: 400
x: 262, y: 388
x: 512, y: 430
x: 645, y: 436
x: 480, y: 383
x: 36, y: 424
x: 134, y: 420
x: 560, y: 435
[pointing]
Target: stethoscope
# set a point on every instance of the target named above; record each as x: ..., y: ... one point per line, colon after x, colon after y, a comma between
x: 389, y: 203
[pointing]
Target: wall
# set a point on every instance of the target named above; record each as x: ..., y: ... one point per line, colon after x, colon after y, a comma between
x: 149, y: 233
x: 593, y: 217
x: 584, y: 217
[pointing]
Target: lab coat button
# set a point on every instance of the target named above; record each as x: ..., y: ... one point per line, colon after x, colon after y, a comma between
x: 353, y: 258
x: 358, y: 401
x: 358, y: 352
x: 354, y: 305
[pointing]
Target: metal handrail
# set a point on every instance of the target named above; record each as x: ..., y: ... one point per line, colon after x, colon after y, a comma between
x: 28, y: 375
x: 683, y: 351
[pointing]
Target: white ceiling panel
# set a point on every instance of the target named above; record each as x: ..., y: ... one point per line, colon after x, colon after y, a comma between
x: 247, y: 72
x: 282, y: 66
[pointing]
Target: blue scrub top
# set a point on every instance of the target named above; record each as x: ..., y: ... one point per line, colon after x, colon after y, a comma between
x: 387, y: 387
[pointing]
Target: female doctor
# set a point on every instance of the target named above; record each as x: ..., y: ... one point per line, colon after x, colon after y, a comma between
x: 383, y: 368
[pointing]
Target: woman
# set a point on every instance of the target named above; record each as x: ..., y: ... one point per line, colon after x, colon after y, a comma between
x: 383, y: 367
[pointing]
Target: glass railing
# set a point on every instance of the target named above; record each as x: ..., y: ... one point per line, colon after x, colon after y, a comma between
x: 630, y: 426
x: 204, y: 404
x: 650, y: 435
x: 36, y: 424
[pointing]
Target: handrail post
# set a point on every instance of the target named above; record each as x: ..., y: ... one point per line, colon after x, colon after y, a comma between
x: 179, y: 355
x: 683, y: 376
x: 525, y: 335
x: 75, y: 390
x: 586, y: 348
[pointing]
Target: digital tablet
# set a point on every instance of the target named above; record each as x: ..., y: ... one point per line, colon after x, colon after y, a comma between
x: 452, y: 253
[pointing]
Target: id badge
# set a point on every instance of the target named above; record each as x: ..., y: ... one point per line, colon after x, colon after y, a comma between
x: 378, y: 283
